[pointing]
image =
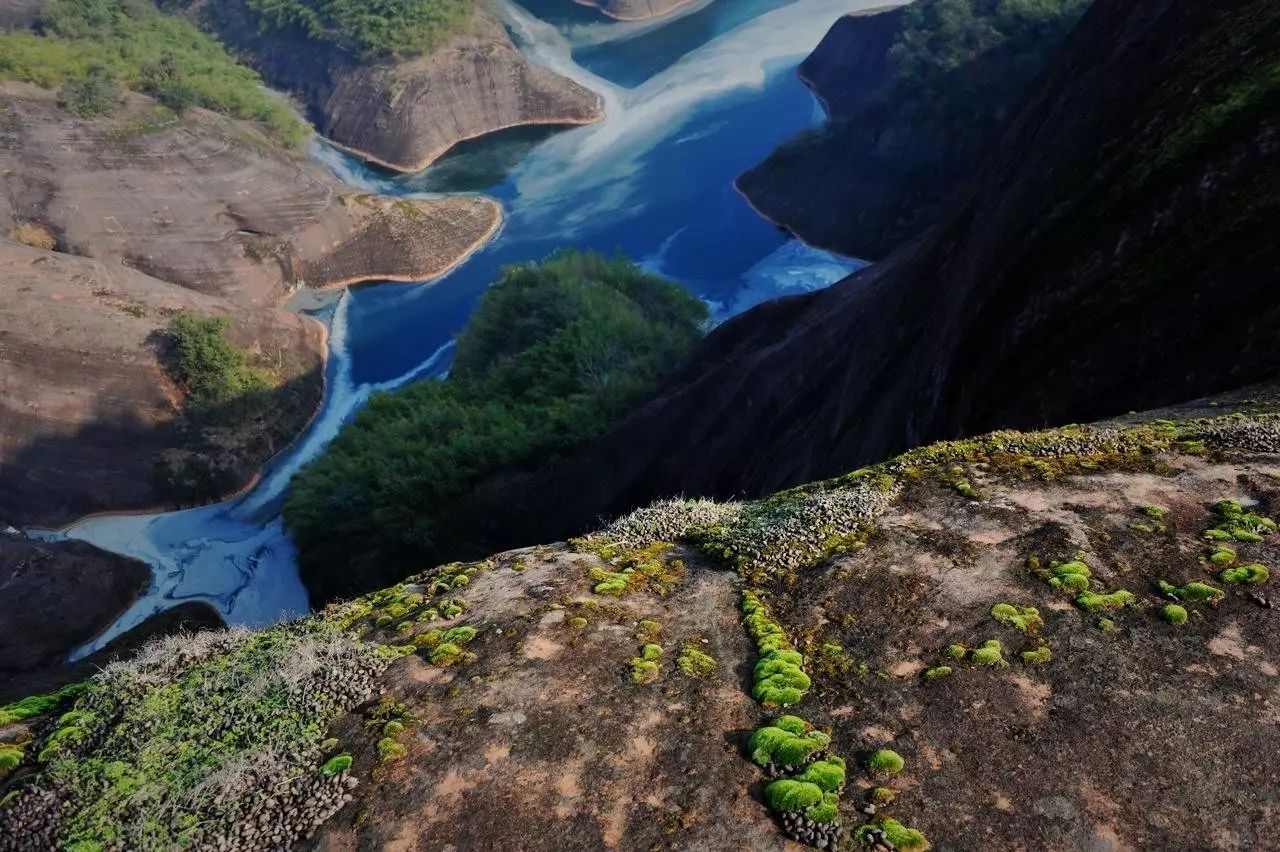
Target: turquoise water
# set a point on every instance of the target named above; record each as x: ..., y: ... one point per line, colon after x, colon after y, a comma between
x: 689, y: 103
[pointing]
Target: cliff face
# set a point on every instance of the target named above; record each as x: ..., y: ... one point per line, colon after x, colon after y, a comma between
x: 893, y: 151
x: 912, y: 622
x: 1115, y: 256
x: 149, y: 217
x: 403, y: 115
x: 208, y: 204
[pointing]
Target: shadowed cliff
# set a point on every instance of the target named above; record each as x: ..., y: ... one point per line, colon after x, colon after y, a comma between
x: 1116, y: 255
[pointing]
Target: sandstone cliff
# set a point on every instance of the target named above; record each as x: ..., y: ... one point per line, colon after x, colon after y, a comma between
x: 867, y: 662
x: 149, y: 216
x: 209, y: 204
x: 405, y: 114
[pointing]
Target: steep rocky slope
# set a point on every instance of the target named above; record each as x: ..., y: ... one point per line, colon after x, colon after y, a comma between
x: 894, y: 149
x: 71, y: 592
x: 936, y: 630
x: 404, y: 114
x: 149, y: 216
x: 209, y: 204
x: 1116, y: 255
x: 88, y: 409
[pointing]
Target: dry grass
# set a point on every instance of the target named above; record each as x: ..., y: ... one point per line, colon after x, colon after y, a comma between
x: 33, y: 234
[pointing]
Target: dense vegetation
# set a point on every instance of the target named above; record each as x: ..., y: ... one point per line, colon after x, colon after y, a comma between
x: 220, y: 383
x: 934, y: 52
x: 94, y: 48
x: 394, y: 28
x: 554, y: 353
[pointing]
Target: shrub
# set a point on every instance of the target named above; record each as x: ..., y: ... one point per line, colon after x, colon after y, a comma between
x: 33, y: 234
x: 220, y: 384
x: 94, y: 94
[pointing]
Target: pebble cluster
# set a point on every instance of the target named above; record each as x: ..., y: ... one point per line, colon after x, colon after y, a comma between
x: 209, y: 741
x: 797, y: 826
x: 1259, y: 436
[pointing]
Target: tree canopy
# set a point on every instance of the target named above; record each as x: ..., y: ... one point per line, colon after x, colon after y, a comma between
x: 555, y: 352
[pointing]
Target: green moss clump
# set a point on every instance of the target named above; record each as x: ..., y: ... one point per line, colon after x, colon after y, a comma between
x: 885, y: 762
x: 787, y: 741
x: 989, y: 653
x: 1155, y: 513
x: 937, y: 672
x: 10, y: 757
x: 651, y: 652
x: 1024, y: 618
x: 578, y: 623
x: 828, y: 774
x: 1070, y: 576
x: 1220, y: 555
x: 1194, y: 592
x: 780, y: 680
x: 788, y: 795
x: 389, y: 750
x: 694, y: 663
x: 881, y: 796
x: 37, y: 705
x: 1253, y: 574
x: 393, y: 728
x: 957, y: 651
x: 1238, y: 524
x: 644, y: 671
x: 1174, y: 614
x: 649, y: 628
x: 383, y: 621
x: 1038, y: 657
x: 1112, y: 602
x: 336, y: 764
x: 903, y: 838
x: 779, y: 677
x: 1106, y: 625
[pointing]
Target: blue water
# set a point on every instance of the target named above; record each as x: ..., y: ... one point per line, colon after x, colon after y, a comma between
x: 689, y: 105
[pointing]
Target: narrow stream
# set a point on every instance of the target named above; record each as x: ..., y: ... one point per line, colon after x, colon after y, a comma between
x: 691, y: 102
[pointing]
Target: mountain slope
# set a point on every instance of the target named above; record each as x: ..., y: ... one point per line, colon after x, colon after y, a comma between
x: 913, y: 95
x: 604, y: 693
x: 1115, y: 255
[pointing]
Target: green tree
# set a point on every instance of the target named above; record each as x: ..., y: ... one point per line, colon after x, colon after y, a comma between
x: 97, y: 93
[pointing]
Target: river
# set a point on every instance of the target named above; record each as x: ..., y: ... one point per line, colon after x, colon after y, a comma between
x: 690, y: 102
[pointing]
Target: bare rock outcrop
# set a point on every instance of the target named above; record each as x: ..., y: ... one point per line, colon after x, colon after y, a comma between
x: 87, y: 408
x: 60, y: 594
x: 405, y: 115
x: 129, y: 220
x: 211, y: 205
